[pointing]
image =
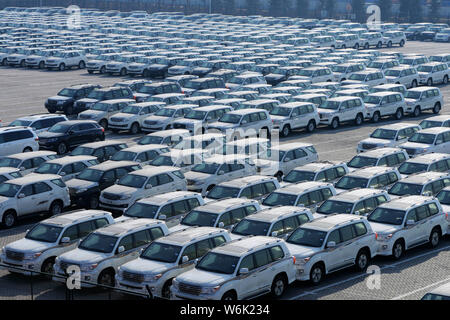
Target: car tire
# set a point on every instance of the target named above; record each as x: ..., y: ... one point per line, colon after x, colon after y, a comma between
x: 81, y: 65
x: 379, y: 44
x: 135, y: 128
x: 278, y: 287
x: 417, y: 111
x: 27, y: 149
x: 4, y: 62
x: 429, y: 82
x: 398, y: 114
x: 356, y: 46
x: 165, y: 291
x: 437, y: 108
x: 41, y: 65
x: 146, y: 73
x: 414, y: 84
x: 334, y: 123
x: 22, y: 63
x: 286, y: 130
x: 279, y: 176
x: 435, y: 237
x: 311, y: 126
x: 9, y: 219
x: 389, y: 44
x: 316, y: 274
x: 47, y: 267
x: 106, y: 278
x: 359, y: 119
x: 55, y: 208
x: 376, y: 117
x: 69, y: 110
x: 344, y: 46
x: 93, y: 202
x: 62, y: 148
x: 103, y: 123
x: 398, y: 249
x: 362, y: 260
x: 62, y: 67
x: 402, y: 43
x: 445, y: 80
x: 90, y: 71
x: 103, y: 70
x: 366, y: 46
x: 123, y: 72
x: 229, y: 296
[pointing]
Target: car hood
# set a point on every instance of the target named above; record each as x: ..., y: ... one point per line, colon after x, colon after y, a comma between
x: 80, y: 256
x: 178, y: 68
x: 383, y: 228
x: 266, y: 163
x: 146, y: 266
x: 79, y: 184
x: 157, y: 118
x: 157, y: 66
x: 414, y: 145
x: 124, y: 115
x: 27, y: 245
x: 197, y: 176
x: 378, y: 142
x: 320, y: 110
x: 410, y: 101
x: 371, y: 105
x: 300, y: 251
x: 201, y: 70
x: 274, y: 76
x: 92, y: 113
x: 122, y: 190
x: 223, y: 125
x: 203, y: 278
x: 60, y: 98
x: 191, y: 122
x: 278, y: 118
x: 48, y: 135
x: 88, y: 100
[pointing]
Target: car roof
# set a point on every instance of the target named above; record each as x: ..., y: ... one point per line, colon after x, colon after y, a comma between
x: 329, y: 222
x: 170, y: 132
x: 290, y: 146
x: 150, y: 170
x: 169, y: 196
x: 404, y: 203
x: 77, y: 216
x: 434, y: 130
x: 429, y: 158
x: 398, y: 126
x: 443, y: 290
x: 33, y: 177
x: 381, y: 152
x: 120, y: 228
x: 221, y: 205
x: 356, y: 195
x: 71, y: 159
x: 99, y: 144
x: 299, y: 188
x: 184, y: 237
x: 244, y: 181
x: 442, y: 117
x: 369, y: 172
x: 35, y: 117
x: 246, y: 111
x: 107, y: 165
x: 424, y: 177
x: 246, y: 245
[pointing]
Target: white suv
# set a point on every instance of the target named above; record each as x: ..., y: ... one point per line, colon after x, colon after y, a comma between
x: 39, y: 122
x: 101, y: 253
x: 428, y: 140
x: 423, y: 98
x: 30, y: 195
x: 337, y: 110
x: 404, y: 223
x: 324, y: 171
x: 140, y: 184
x: 382, y: 104
x: 166, y: 258
x: 294, y: 115
x: 50, y: 238
x: 67, y: 167
x: 331, y: 243
x: 406, y: 75
x: 66, y: 59
x: 132, y: 116
x: 239, y: 270
x: 17, y: 139
x: 433, y: 73
x: 164, y: 117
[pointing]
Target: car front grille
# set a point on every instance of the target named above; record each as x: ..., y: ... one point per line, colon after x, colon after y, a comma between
x: 368, y: 146
x: 52, y: 102
x: 190, y: 182
x: 133, y: 277
x: 64, y: 265
x: 179, y: 126
x: 150, y: 123
x: 111, y: 196
x: 14, y: 255
x: 189, y: 289
x: 410, y: 151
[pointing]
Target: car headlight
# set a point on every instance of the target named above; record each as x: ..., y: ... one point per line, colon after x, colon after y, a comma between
x: 197, y: 183
x: 209, y: 290
x: 152, y: 277
x: 301, y: 261
x: 384, y: 237
x: 88, y: 267
x: 32, y: 255
x: 81, y: 190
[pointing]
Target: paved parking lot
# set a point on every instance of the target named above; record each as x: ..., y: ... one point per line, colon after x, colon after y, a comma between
x: 23, y: 92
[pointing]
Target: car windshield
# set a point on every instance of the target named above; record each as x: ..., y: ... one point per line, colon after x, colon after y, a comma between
x: 434, y: 296
x: 165, y: 112
x: 375, y: 65
x: 230, y: 118
x: 66, y: 92
x: 59, y: 128
x: 89, y: 174
x: 10, y: 162
x: 162, y: 161
x: 331, y: 105
x: 147, y: 89
x: 220, y: 192
x: 338, y: 69
x: 412, y: 95
x: 279, y: 198
x: 200, y: 218
x: 392, y: 73
x: 372, y: 99
x: 362, y: 161
x: 384, y: 134
x: 387, y: 216
x: 132, y: 180
x: 98, y: 242
x: 141, y: 210
x: 249, y: 227
x: 425, y: 124
x: 48, y: 168
x: 299, y: 176
x: 425, y: 138
x: 193, y: 85
x: 426, y: 69
x: 97, y: 95
x: 9, y: 190
x: 237, y: 80
x: 131, y: 110
x: 20, y: 123
x: 44, y: 232
x: 444, y: 197
x: 281, y: 111
x: 307, y: 237
x: 209, y: 168
x: 100, y: 106
x: 412, y: 167
x: 124, y: 156
x: 334, y: 206
x: 357, y: 76
x: 403, y: 189
x: 348, y: 182
x: 82, y: 151
x: 150, y: 140
x: 161, y: 252
x: 196, y: 115
x: 218, y: 263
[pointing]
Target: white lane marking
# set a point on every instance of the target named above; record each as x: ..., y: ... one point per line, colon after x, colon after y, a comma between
x: 305, y: 293
x: 420, y: 289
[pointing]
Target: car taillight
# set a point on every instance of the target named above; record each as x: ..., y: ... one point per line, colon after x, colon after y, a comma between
x: 36, y: 139
x: 376, y: 236
x: 134, y: 97
x: 103, y: 129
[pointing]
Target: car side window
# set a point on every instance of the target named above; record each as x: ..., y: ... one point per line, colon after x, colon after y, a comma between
x: 180, y: 207
x: 109, y: 176
x: 334, y: 236
x: 141, y: 238
x: 41, y: 187
x: 126, y: 242
x: 101, y: 222
x: 190, y: 251
x: 248, y: 262
x: 360, y: 229
x: 412, y: 215
x: 203, y: 247
x: 421, y: 212
x: 257, y: 191
x: 277, y: 253
x: 85, y: 228
x: 71, y: 233
x: 262, y: 258
x: 347, y: 233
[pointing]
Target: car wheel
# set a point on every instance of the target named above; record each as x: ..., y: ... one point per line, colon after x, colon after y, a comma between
x: 47, y: 267
x: 416, y: 112
x: 90, y: 71
x: 103, y: 70
x: 106, y: 278
x: 41, y: 65
x: 69, y: 110
x: 27, y: 149
x: 278, y: 286
x: 334, y: 123
x: 62, y: 67
x: 398, y: 249
x: 399, y: 114
x: 62, y: 148
x: 344, y: 46
x: 81, y: 65
x: 316, y: 274
x: 279, y: 175
x: 376, y: 117
x: 146, y: 74
x: 229, y: 296
x: 135, y: 128
x: 362, y: 260
x: 104, y: 123
x: 429, y: 82
x: 123, y: 72
x: 4, y: 62
x: 55, y: 208
x: 437, y: 108
x: 22, y: 63
x: 379, y: 44
x: 165, y: 292
x: 356, y: 46
x: 93, y: 202
x: 445, y: 80
x: 311, y: 126
x: 286, y: 131
x: 366, y: 46
x: 9, y: 219
x: 402, y: 43
x: 435, y: 237
x: 359, y: 119
x: 414, y: 84
x: 389, y: 44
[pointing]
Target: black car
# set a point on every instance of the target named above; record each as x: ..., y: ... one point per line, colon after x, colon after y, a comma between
x: 206, y: 67
x: 282, y: 74
x: 102, y: 94
x: 103, y: 150
x: 85, y: 189
x: 152, y: 89
x: 413, y: 32
x: 429, y: 35
x: 134, y: 85
x: 158, y: 68
x: 66, y: 135
x: 66, y: 98
x: 203, y: 83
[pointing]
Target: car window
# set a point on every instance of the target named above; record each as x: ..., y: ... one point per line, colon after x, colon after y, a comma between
x: 141, y: 238
x: 203, y: 247
x: 71, y: 233
x: 126, y: 242
x: 334, y: 236
x: 85, y: 228
x: 360, y: 229
x: 347, y: 233
x: 41, y: 187
x: 190, y: 251
x: 262, y: 258
x: 248, y: 262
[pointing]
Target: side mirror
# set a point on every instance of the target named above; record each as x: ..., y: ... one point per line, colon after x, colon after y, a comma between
x: 148, y: 186
x: 184, y: 259
x: 357, y: 213
x: 244, y: 122
x: 410, y: 223
x: 274, y: 234
x: 243, y: 271
x: 62, y: 174
x: 120, y: 249
x: 162, y: 217
x: 22, y: 168
x: 21, y: 195
x: 65, y: 240
x: 221, y: 172
x: 331, y: 244
x: 221, y: 225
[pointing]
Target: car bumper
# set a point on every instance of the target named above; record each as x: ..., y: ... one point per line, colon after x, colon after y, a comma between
x: 120, y: 126
x: 48, y: 145
x: 85, y: 277
x: 385, y: 248
x: 152, y: 128
x: 31, y: 265
x: 302, y: 272
x: 152, y: 289
x: 178, y: 295
x: 113, y: 207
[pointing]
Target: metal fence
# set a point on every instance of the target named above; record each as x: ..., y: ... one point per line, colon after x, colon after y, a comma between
x: 40, y: 286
